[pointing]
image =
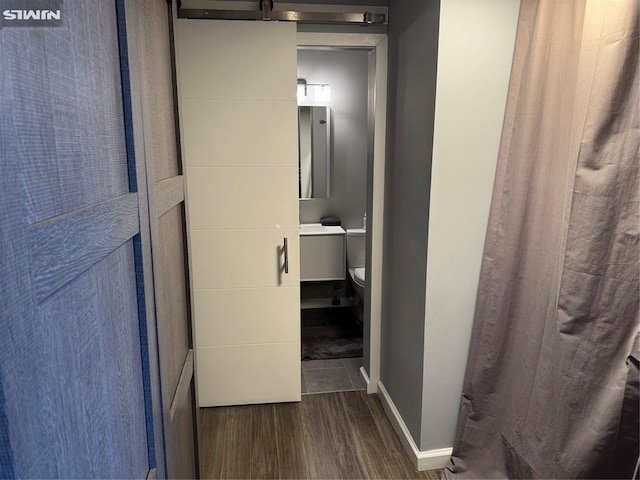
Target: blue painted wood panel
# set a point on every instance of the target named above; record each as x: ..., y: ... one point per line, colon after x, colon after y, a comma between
x: 154, y: 67
x: 169, y: 193
x: 150, y: 66
x: 65, y: 246
x: 71, y: 393
x: 142, y: 242
x: 90, y: 374
x: 6, y: 452
x: 64, y: 96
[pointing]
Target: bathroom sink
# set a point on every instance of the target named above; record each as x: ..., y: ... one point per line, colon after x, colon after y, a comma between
x: 319, y: 229
x: 322, y: 253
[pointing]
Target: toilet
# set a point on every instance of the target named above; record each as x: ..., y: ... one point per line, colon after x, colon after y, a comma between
x: 356, y: 247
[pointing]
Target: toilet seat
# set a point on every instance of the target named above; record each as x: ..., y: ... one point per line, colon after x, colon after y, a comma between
x: 359, y: 276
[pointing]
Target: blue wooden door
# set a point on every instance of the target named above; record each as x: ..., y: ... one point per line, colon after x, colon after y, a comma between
x: 76, y: 380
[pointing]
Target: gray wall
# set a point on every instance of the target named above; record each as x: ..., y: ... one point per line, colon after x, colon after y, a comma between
x: 413, y: 43
x: 346, y: 71
x: 475, y: 50
x: 438, y: 193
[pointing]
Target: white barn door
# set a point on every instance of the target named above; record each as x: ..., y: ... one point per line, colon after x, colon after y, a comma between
x: 237, y: 83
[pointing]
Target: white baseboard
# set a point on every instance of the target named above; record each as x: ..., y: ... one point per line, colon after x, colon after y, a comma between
x: 371, y: 387
x: 422, y: 460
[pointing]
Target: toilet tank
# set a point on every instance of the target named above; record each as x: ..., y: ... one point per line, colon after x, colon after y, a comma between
x: 356, y: 247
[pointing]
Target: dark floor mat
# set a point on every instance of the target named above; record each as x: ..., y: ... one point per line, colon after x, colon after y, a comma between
x: 329, y: 333
x: 326, y: 348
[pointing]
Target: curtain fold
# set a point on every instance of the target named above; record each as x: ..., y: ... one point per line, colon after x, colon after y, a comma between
x: 552, y: 365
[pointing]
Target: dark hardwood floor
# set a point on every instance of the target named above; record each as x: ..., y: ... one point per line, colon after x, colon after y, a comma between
x: 344, y: 435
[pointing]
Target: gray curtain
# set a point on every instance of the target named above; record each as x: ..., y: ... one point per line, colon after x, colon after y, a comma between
x: 551, y: 389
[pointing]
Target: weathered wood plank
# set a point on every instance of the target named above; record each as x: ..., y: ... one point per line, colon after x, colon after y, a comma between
x: 63, y: 247
x: 212, y: 439
x: 317, y: 439
x: 292, y: 455
x: 131, y: 60
x: 431, y: 474
x: 184, y: 386
x: 336, y: 419
x: 168, y: 193
x: 172, y: 298
x: 334, y: 435
x: 264, y: 451
x: 355, y: 404
x: 371, y: 451
x: 400, y: 464
x: 179, y: 438
x: 237, y: 444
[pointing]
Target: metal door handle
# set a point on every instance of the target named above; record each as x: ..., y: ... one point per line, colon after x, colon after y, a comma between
x: 286, y: 255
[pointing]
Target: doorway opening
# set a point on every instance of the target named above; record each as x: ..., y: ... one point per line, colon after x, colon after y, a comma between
x: 340, y: 312
x: 332, y: 118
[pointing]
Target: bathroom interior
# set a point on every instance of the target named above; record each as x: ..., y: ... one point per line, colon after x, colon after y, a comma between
x: 332, y: 90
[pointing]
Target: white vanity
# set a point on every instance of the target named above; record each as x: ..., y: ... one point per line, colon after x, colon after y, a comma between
x: 322, y: 252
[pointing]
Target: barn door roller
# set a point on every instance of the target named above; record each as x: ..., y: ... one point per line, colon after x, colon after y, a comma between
x: 266, y: 6
x: 266, y: 10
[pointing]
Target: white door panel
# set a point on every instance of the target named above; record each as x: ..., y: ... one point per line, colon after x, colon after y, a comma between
x: 237, y: 84
x: 244, y: 374
x: 213, y: 190
x: 251, y: 60
x: 228, y: 317
x: 233, y: 133
x: 244, y: 258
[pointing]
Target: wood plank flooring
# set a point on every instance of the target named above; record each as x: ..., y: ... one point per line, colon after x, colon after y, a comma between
x: 344, y: 435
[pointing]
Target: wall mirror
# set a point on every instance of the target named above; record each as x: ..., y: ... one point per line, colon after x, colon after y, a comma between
x: 314, y: 148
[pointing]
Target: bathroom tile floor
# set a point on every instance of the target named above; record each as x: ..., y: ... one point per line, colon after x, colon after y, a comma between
x: 336, y: 375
